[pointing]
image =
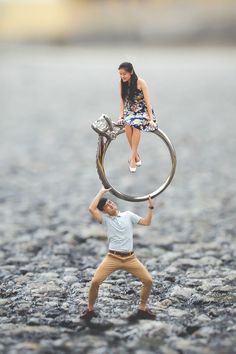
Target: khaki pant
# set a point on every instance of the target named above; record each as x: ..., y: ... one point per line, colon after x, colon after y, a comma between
x: 112, y: 263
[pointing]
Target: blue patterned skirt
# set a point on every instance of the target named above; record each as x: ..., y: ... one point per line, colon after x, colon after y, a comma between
x: 140, y: 122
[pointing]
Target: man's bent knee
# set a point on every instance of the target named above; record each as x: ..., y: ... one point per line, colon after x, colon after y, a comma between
x: 95, y: 283
x: 148, y: 281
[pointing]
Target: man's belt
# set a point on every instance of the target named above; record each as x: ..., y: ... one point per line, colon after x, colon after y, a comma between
x: 122, y: 254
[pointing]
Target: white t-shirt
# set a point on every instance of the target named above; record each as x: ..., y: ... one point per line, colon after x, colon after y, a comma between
x: 120, y: 230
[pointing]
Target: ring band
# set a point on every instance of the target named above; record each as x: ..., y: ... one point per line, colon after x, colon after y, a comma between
x: 108, y: 131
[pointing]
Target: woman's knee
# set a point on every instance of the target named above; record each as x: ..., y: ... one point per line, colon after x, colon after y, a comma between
x: 136, y: 131
x: 128, y: 129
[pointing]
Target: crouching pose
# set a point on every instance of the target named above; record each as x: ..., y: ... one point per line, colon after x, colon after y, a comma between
x: 119, y: 227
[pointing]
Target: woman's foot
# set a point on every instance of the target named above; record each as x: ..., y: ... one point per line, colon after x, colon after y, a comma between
x: 138, y: 161
x: 132, y: 166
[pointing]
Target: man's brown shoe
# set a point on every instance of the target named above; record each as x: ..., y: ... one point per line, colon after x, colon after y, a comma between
x: 88, y: 314
x: 142, y: 315
x: 146, y: 314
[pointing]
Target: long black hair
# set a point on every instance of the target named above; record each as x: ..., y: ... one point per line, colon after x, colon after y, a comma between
x: 126, y: 89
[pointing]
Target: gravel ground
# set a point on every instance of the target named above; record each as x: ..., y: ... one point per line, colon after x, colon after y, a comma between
x: 50, y: 247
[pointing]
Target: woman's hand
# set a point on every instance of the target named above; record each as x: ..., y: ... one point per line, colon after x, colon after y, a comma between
x: 120, y: 121
x: 152, y: 123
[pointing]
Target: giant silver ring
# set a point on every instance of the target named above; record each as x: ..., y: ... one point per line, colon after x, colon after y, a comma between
x: 108, y: 131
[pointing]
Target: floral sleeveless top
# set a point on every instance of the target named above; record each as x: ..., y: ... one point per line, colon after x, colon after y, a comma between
x: 136, y: 114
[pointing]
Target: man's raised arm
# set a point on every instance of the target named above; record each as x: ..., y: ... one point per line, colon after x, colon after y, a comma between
x: 148, y: 218
x: 93, y: 206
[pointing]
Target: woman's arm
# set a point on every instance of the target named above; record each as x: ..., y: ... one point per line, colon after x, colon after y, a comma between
x: 121, y: 116
x: 146, y: 98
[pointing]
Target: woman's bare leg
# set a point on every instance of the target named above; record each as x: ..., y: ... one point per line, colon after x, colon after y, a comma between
x: 134, y: 148
x: 129, y: 134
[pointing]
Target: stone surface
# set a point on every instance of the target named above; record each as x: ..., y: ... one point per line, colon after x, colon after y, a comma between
x: 50, y: 246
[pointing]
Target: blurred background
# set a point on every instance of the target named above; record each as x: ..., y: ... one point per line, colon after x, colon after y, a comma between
x: 58, y: 73
x: 153, y: 21
x: 166, y: 22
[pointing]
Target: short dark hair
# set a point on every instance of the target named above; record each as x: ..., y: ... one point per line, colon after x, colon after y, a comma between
x: 101, y: 203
